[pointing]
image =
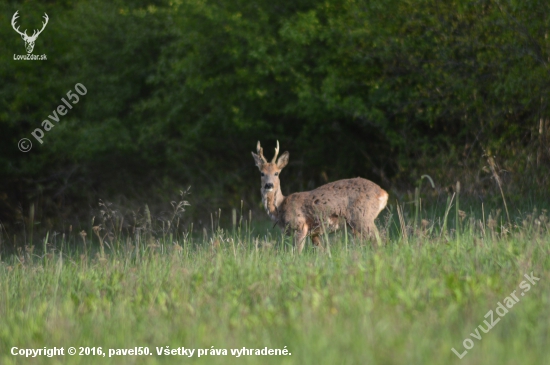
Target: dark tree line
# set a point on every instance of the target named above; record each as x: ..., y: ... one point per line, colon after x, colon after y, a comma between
x: 179, y: 92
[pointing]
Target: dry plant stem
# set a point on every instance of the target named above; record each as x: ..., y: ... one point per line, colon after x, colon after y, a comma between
x: 497, y: 178
x: 402, y: 223
x: 346, y: 235
x: 417, y: 206
x: 444, y: 228
x: 31, y: 223
x: 457, y: 211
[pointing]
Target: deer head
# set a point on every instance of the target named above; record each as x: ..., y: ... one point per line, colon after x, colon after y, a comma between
x: 29, y: 40
x: 270, y: 170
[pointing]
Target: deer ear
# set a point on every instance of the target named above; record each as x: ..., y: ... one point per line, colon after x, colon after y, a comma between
x: 258, y: 160
x: 283, y: 160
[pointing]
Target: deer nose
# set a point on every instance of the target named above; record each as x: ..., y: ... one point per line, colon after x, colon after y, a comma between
x: 268, y: 186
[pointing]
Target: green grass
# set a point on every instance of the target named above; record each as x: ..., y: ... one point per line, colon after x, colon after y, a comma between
x: 408, y: 301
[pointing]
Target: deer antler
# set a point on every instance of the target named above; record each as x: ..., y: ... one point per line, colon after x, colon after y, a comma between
x: 276, y: 153
x: 13, y: 20
x: 260, y: 151
x: 43, y: 26
x: 24, y: 34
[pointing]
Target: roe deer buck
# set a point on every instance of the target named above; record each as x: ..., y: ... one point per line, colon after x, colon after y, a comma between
x: 356, y: 201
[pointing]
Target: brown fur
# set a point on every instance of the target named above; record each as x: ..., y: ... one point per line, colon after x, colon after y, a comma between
x: 356, y: 202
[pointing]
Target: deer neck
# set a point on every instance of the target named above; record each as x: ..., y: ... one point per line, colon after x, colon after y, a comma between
x: 272, y: 201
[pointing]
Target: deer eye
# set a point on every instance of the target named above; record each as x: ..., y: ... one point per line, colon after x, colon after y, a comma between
x: 263, y: 174
x: 276, y: 174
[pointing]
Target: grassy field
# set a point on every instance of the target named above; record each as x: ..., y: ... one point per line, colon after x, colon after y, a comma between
x: 424, y: 291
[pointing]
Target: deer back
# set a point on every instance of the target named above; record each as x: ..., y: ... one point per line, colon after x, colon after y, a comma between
x: 349, y: 199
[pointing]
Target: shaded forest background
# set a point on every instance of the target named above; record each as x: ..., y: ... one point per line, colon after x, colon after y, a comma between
x: 180, y: 91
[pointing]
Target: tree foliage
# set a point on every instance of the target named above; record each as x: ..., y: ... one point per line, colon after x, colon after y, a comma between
x: 180, y: 91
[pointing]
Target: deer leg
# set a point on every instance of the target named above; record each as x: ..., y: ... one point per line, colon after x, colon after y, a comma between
x: 374, y: 234
x: 373, y: 231
x: 300, y: 237
x: 367, y: 230
x: 316, y: 239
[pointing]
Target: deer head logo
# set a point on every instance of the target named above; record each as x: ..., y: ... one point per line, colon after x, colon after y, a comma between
x: 29, y: 40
